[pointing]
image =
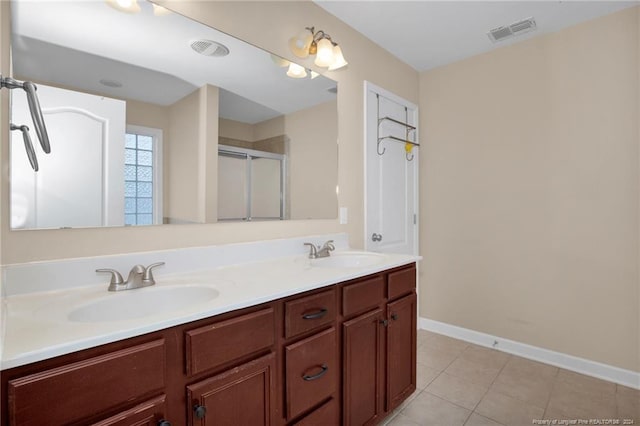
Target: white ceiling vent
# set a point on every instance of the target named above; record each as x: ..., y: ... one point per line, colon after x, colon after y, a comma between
x: 517, y: 28
x: 209, y: 48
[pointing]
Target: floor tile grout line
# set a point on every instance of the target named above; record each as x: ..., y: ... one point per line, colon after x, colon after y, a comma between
x: 553, y: 387
x: 489, y: 388
x: 546, y: 408
x: 452, y: 403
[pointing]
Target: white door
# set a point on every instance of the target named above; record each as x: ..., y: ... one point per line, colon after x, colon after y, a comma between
x: 81, y: 182
x: 391, y: 173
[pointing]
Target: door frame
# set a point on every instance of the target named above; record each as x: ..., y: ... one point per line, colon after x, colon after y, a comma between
x: 370, y: 87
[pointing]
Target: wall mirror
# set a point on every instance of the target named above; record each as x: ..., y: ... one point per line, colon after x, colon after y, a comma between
x: 154, y: 119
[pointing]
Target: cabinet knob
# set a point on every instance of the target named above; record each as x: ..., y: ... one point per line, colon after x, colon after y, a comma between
x: 164, y: 422
x: 384, y: 322
x: 394, y: 317
x: 200, y: 411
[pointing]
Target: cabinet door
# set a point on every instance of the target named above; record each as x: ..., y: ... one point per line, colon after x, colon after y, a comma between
x: 244, y: 395
x: 362, y: 355
x: 401, y: 350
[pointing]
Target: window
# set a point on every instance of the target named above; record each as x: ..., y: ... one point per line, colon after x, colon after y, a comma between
x: 142, y: 176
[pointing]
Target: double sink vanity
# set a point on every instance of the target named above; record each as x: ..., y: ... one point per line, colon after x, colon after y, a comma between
x: 243, y: 334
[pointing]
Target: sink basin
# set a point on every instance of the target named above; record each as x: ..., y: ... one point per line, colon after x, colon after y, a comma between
x: 143, y: 302
x: 348, y: 260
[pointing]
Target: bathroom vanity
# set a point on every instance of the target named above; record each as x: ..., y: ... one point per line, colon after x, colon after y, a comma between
x: 343, y: 352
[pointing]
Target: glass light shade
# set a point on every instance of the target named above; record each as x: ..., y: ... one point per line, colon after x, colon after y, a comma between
x: 299, y: 44
x: 281, y: 62
x: 314, y: 75
x: 324, y: 57
x: 127, y: 6
x: 338, y: 59
x: 296, y: 71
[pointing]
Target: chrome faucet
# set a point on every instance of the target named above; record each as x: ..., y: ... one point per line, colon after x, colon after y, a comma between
x: 139, y: 276
x: 319, y: 252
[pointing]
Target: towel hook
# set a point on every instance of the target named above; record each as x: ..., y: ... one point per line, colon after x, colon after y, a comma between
x: 34, y: 108
x: 28, y: 145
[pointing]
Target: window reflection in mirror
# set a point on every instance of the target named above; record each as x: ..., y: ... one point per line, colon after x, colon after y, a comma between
x: 99, y: 93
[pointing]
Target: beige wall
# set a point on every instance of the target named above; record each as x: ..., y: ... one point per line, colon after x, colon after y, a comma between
x: 209, y: 112
x: 529, y: 192
x: 313, y: 152
x: 193, y: 158
x: 183, y: 190
x: 235, y: 130
x: 268, y: 25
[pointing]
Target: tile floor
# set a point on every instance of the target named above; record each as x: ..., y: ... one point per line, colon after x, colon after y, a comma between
x: 459, y: 383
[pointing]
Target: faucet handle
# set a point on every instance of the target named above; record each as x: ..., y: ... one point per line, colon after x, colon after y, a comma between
x: 313, y: 250
x: 329, y: 245
x: 116, y: 278
x: 148, y: 275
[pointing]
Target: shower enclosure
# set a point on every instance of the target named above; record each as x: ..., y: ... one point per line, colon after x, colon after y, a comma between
x: 251, y: 184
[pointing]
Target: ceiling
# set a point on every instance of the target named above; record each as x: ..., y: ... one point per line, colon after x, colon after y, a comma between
x: 75, y: 44
x: 429, y: 34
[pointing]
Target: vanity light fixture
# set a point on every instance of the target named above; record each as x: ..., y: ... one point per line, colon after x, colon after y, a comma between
x: 127, y: 6
x: 293, y: 70
x: 311, y: 42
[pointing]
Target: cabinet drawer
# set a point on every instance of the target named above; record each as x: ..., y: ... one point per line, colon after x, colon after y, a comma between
x: 402, y: 282
x: 221, y: 342
x: 83, y: 389
x: 307, y: 313
x: 362, y: 295
x: 311, y: 371
x: 149, y: 413
x: 326, y: 414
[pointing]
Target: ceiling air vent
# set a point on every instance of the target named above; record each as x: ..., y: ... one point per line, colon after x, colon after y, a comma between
x: 209, y: 48
x: 517, y: 28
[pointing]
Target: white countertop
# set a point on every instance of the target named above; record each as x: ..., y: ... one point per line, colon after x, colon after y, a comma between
x: 36, y: 325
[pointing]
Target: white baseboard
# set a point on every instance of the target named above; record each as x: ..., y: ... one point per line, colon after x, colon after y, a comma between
x: 569, y: 362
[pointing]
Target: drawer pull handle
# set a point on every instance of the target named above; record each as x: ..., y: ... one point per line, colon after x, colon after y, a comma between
x: 200, y: 411
x: 322, y: 312
x: 322, y: 372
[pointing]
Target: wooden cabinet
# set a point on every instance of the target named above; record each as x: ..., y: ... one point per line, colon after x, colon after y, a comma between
x: 311, y: 357
x: 326, y: 414
x: 311, y: 371
x: 362, y: 363
x: 310, y: 312
x: 77, y: 391
x: 343, y: 354
x: 149, y: 413
x: 379, y: 346
x: 220, y: 343
x: 244, y: 395
x: 401, y: 350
